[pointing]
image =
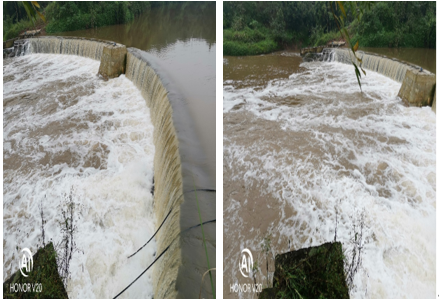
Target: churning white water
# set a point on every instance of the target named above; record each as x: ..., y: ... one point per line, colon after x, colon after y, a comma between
x: 313, y: 145
x: 67, y: 131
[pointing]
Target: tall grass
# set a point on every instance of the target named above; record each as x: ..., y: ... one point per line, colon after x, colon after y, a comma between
x: 204, y: 242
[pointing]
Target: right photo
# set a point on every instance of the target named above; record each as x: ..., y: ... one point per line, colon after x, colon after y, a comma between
x: 329, y: 143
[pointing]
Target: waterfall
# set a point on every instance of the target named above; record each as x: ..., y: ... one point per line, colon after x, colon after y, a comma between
x: 391, y: 68
x: 167, y: 170
x: 67, y: 46
x: 179, y: 166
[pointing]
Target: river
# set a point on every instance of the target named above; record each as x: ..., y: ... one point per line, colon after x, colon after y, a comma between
x: 306, y: 154
x: 66, y: 132
x: 184, y: 41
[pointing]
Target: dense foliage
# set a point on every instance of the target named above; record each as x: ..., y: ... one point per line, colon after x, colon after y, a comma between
x: 252, y: 27
x: 399, y: 24
x: 64, y: 16
x: 67, y: 16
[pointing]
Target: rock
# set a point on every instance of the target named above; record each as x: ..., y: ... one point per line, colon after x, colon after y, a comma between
x: 309, y: 57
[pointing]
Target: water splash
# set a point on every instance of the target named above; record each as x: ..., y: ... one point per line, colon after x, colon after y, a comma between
x: 64, y: 128
x: 298, y: 150
x: 391, y: 68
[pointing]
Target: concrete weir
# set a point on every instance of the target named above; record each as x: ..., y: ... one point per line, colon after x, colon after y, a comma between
x: 418, y: 87
x: 179, y: 167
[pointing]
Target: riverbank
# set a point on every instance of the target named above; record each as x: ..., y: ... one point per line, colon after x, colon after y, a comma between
x: 70, y: 16
x: 254, y: 28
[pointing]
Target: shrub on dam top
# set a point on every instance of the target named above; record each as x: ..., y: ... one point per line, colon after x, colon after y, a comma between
x: 43, y: 281
x: 309, y: 273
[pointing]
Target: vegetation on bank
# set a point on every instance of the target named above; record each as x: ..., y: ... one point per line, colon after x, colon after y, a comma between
x: 252, y: 27
x: 62, y: 16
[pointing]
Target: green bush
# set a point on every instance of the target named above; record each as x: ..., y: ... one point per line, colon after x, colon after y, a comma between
x: 68, y: 16
x: 235, y: 48
x: 15, y: 29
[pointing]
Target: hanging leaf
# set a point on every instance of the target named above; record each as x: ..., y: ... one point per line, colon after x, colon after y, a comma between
x: 346, y: 33
x: 358, y: 75
x: 30, y: 11
x: 41, y: 16
x: 355, y: 47
x: 341, y: 8
x: 363, y: 70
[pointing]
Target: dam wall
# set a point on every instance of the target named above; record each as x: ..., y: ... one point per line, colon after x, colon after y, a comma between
x: 183, y: 191
x: 179, y: 169
x: 90, y: 48
x: 418, y: 85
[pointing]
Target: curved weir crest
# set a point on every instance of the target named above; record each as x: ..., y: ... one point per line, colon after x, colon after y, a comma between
x: 178, y: 170
x: 418, y: 85
x: 390, y: 68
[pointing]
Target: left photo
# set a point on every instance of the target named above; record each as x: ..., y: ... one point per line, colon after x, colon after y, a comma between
x: 109, y: 149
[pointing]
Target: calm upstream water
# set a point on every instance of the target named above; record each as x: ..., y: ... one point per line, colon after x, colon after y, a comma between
x: 304, y: 149
x: 65, y: 131
x: 185, y: 43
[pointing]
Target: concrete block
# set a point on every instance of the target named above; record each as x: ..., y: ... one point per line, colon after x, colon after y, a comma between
x: 113, y: 61
x: 417, y: 88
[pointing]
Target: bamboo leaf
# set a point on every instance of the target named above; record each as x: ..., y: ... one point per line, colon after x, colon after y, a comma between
x: 35, y: 3
x: 29, y: 10
x: 41, y: 16
x: 363, y: 70
x: 346, y: 33
x: 355, y: 47
x: 358, y: 75
x: 341, y: 8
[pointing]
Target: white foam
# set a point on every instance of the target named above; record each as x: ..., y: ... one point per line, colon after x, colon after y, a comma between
x: 92, y: 120
x: 362, y: 153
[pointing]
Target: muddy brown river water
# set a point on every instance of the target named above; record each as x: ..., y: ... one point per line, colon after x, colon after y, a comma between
x: 302, y: 147
x: 184, y: 41
x: 66, y: 131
